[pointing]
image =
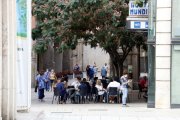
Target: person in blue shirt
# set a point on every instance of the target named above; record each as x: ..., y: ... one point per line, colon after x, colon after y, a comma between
x: 60, y: 86
x: 90, y: 73
x: 47, y: 80
x: 83, y: 91
x: 95, y: 68
x: 103, y: 72
x: 83, y: 85
x: 41, y: 85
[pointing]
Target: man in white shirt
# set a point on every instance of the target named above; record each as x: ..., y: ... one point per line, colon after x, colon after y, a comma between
x: 76, y: 83
x: 114, y: 83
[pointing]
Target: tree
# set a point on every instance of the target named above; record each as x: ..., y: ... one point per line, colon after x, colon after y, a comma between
x: 140, y: 3
x: 96, y: 22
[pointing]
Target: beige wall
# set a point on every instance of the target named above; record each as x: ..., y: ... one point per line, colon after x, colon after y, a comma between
x: 163, y: 54
x: 97, y: 55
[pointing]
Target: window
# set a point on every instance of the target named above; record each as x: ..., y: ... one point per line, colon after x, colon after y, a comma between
x: 175, y: 81
x: 175, y: 19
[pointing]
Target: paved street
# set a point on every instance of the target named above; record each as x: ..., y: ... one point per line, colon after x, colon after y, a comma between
x: 136, y: 111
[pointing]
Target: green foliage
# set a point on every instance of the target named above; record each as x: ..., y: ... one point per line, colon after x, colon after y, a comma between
x: 140, y: 3
x: 96, y: 22
x: 40, y: 47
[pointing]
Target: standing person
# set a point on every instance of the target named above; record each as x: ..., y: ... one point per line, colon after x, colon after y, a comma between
x: 87, y: 71
x: 90, y: 73
x: 124, y: 86
x: 52, y: 77
x: 95, y: 68
x: 41, y: 86
x: 103, y: 72
x: 106, y: 67
x: 36, y: 82
x: 47, y: 81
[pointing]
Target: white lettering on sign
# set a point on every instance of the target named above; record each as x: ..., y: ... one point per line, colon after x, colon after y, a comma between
x: 135, y: 10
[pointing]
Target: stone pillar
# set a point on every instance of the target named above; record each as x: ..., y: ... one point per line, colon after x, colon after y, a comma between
x: 1, y: 60
x: 135, y: 65
x: 58, y: 61
x: 163, y: 54
x: 33, y: 67
x: 8, y: 59
x: 34, y: 58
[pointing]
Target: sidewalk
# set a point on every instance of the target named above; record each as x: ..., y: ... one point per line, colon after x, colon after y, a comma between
x: 136, y: 111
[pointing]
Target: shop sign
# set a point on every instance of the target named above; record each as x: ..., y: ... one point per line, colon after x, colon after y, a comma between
x: 135, y: 10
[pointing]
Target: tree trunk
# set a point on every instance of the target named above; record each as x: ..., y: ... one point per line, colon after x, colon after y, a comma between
x: 115, y: 66
x: 138, y: 60
x: 117, y: 69
x: 41, y: 62
x: 112, y: 69
x: 121, y: 69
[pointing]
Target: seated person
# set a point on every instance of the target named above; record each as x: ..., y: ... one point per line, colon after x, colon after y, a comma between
x: 114, y: 83
x: 88, y: 86
x: 76, y: 67
x: 83, y: 87
x: 93, y: 90
x: 82, y: 92
x: 143, y: 83
x: 76, y: 85
x: 60, y: 86
x: 104, y: 83
x: 101, y: 90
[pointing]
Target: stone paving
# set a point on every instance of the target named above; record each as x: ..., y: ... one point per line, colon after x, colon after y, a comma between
x: 94, y: 111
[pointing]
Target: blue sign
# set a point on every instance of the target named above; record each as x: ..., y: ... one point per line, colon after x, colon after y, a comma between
x: 137, y: 24
x: 146, y: 25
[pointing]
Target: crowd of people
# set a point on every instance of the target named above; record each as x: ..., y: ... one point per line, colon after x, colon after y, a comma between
x: 90, y: 88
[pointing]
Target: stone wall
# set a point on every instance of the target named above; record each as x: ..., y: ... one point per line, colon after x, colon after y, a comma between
x: 8, y: 59
x: 163, y: 54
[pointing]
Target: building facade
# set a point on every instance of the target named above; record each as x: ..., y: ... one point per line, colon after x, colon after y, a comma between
x: 163, y: 54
